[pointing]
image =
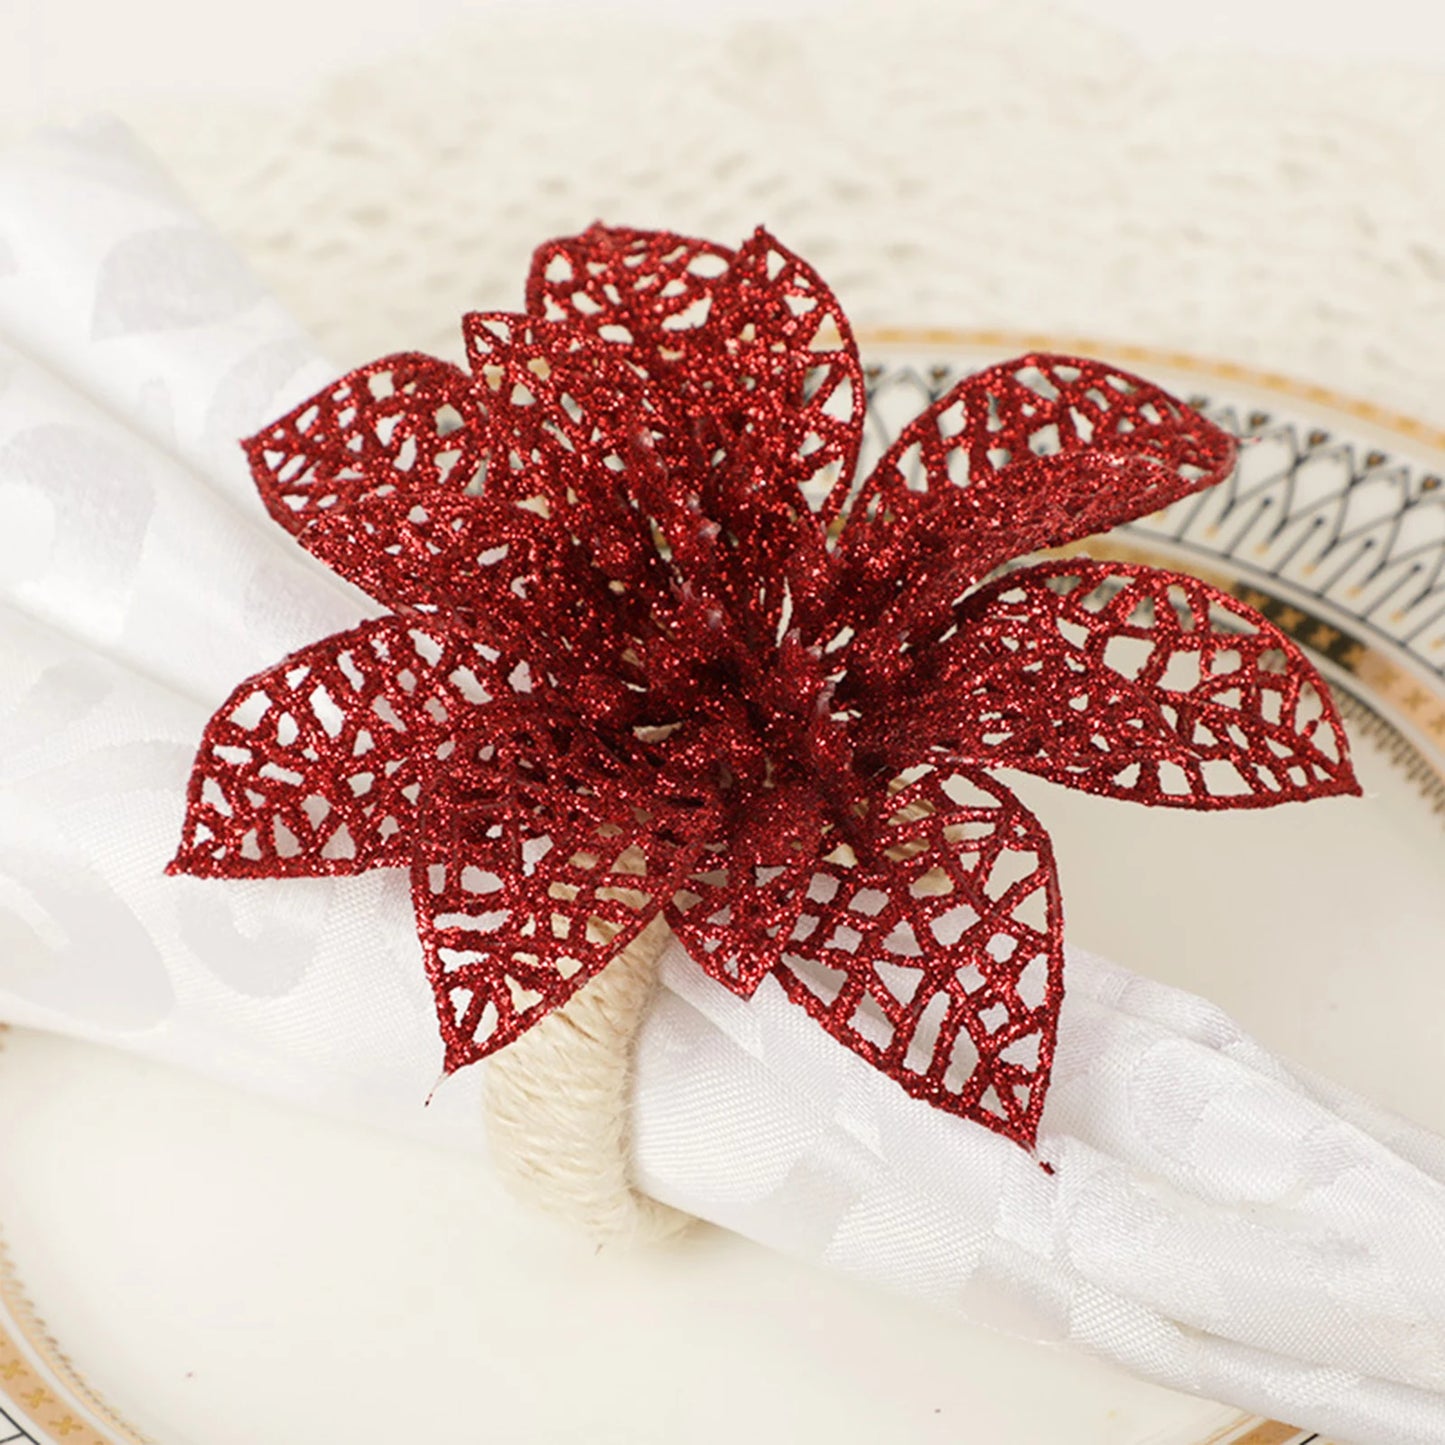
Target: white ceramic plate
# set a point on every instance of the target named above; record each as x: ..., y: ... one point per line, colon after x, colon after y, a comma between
x: 207, y: 1268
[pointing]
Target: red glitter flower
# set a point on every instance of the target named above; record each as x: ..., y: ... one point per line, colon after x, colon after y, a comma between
x: 651, y: 649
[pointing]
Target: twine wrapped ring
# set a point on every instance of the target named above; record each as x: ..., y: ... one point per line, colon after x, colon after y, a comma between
x: 558, y: 1105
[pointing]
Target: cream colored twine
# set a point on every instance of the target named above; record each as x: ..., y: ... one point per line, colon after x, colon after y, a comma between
x: 558, y: 1105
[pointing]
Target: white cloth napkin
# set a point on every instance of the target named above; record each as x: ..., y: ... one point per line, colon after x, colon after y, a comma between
x: 1213, y: 1220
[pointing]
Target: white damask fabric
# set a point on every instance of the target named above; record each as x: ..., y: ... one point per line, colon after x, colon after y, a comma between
x: 1213, y: 1221
x: 141, y: 579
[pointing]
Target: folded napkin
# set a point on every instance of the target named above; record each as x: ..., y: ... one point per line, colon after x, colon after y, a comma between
x: 1210, y: 1218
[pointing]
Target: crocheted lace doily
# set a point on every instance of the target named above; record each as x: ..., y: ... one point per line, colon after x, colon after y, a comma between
x: 986, y: 163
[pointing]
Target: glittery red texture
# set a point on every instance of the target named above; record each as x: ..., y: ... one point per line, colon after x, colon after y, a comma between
x: 653, y: 649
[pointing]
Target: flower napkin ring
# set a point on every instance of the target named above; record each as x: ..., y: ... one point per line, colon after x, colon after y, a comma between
x: 653, y: 651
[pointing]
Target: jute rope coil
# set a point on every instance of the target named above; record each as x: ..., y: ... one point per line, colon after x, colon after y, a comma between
x: 558, y: 1104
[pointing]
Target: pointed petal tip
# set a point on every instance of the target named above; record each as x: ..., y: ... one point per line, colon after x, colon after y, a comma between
x: 1345, y: 783
x: 192, y: 862
x: 195, y: 863
x: 745, y: 983
x: 459, y: 1054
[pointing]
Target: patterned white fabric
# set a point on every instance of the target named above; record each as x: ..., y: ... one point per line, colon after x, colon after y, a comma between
x: 1213, y: 1221
x: 141, y: 580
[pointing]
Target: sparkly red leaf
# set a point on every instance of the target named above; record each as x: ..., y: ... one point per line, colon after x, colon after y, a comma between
x: 738, y: 908
x: 752, y: 342
x: 567, y: 421
x: 787, y: 414
x: 1133, y: 683
x: 932, y: 945
x: 647, y: 291
x: 543, y: 852
x: 314, y: 766
x: 1031, y: 453
x: 757, y: 405
x: 789, y: 345
x: 574, y: 476
x: 374, y: 473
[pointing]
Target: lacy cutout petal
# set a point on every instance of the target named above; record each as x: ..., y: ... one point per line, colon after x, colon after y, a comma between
x: 646, y: 291
x: 575, y: 484
x: 739, y: 906
x: 932, y: 945
x: 369, y: 473
x: 543, y: 852
x: 636, y: 494
x: 1135, y: 683
x: 1030, y: 453
x: 314, y: 766
x: 791, y: 347
x: 754, y: 339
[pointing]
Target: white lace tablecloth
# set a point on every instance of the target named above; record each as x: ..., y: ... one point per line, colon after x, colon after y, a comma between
x: 977, y: 163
